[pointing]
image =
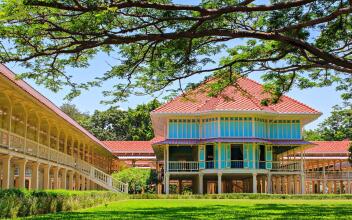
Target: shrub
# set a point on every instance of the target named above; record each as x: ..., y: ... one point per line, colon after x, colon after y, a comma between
x: 139, y: 180
x: 20, y: 203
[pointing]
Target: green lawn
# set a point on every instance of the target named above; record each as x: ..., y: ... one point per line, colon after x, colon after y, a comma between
x: 213, y: 209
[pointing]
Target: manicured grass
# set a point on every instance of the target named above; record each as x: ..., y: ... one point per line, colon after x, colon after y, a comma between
x: 213, y: 209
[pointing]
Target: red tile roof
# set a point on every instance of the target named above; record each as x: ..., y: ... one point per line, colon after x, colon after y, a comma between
x: 129, y: 146
x: 329, y: 147
x: 245, y: 96
x: 35, y: 94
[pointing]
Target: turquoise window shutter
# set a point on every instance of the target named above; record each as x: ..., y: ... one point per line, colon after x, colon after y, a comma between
x: 228, y: 155
x: 240, y: 131
x: 268, y: 156
x: 232, y: 128
x: 245, y: 156
x: 250, y: 155
x: 171, y: 129
x: 223, y: 155
x: 201, y: 157
x: 257, y: 154
x: 216, y: 156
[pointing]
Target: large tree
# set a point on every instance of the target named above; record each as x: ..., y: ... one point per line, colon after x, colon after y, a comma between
x: 337, y: 127
x: 116, y: 124
x: 305, y: 43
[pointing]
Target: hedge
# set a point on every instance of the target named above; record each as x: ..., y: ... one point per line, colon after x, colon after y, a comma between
x: 20, y: 203
x: 243, y: 196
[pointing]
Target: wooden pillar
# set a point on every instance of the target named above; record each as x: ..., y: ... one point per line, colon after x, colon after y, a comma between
x: 63, y: 178
x: 46, y: 184
x: 254, y: 183
x: 6, y: 176
x: 269, y: 188
x: 35, y: 176
x: 70, y: 180
x: 22, y: 173
x: 56, y: 177
x: 219, y: 183
x: 303, y: 184
x: 167, y: 183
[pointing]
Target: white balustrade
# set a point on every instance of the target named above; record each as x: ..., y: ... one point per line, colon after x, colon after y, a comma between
x: 19, y: 144
x: 183, y: 166
x: 286, y: 165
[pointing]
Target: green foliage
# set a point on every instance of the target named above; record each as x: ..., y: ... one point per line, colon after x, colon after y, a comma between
x: 20, y: 203
x: 337, y: 127
x: 159, y: 43
x: 116, y: 124
x: 139, y: 180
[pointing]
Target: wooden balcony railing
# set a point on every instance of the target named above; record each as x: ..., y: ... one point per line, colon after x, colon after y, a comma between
x: 17, y: 143
x: 177, y: 166
x: 288, y: 165
x: 274, y: 166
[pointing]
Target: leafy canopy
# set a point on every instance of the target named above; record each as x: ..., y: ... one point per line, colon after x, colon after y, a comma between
x: 336, y: 127
x: 116, y: 124
x: 304, y: 43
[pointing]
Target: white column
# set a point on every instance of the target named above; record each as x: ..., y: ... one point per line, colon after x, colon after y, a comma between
x: 6, y: 167
x: 35, y: 177
x: 269, y: 184
x: 56, y: 177
x: 303, y: 184
x: 70, y: 180
x: 83, y: 183
x: 46, y: 184
x: 219, y: 183
x: 200, y: 183
x: 22, y: 174
x: 63, y: 179
x: 254, y: 183
x: 167, y: 183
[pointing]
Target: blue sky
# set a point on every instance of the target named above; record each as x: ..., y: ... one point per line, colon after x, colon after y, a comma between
x: 321, y: 99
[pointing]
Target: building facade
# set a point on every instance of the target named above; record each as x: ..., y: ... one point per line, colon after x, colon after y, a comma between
x: 327, y: 167
x: 42, y: 148
x: 139, y: 154
x: 231, y: 143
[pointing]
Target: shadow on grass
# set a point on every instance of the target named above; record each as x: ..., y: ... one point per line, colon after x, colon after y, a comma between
x: 259, y: 211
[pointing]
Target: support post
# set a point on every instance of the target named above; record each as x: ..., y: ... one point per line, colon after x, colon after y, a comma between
x: 46, y: 184
x: 6, y: 166
x: 35, y: 176
x: 70, y: 180
x: 83, y: 183
x: 167, y: 183
x: 22, y: 174
x: 200, y: 182
x: 269, y: 184
x: 219, y: 183
x: 56, y: 177
x: 63, y: 179
x: 303, y: 185
x: 254, y: 183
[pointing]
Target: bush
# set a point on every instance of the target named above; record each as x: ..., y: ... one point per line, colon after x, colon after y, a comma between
x: 20, y: 203
x: 244, y: 196
x: 139, y: 180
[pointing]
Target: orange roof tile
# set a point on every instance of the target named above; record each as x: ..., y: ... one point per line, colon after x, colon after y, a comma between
x: 329, y: 147
x: 129, y: 146
x: 245, y: 96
